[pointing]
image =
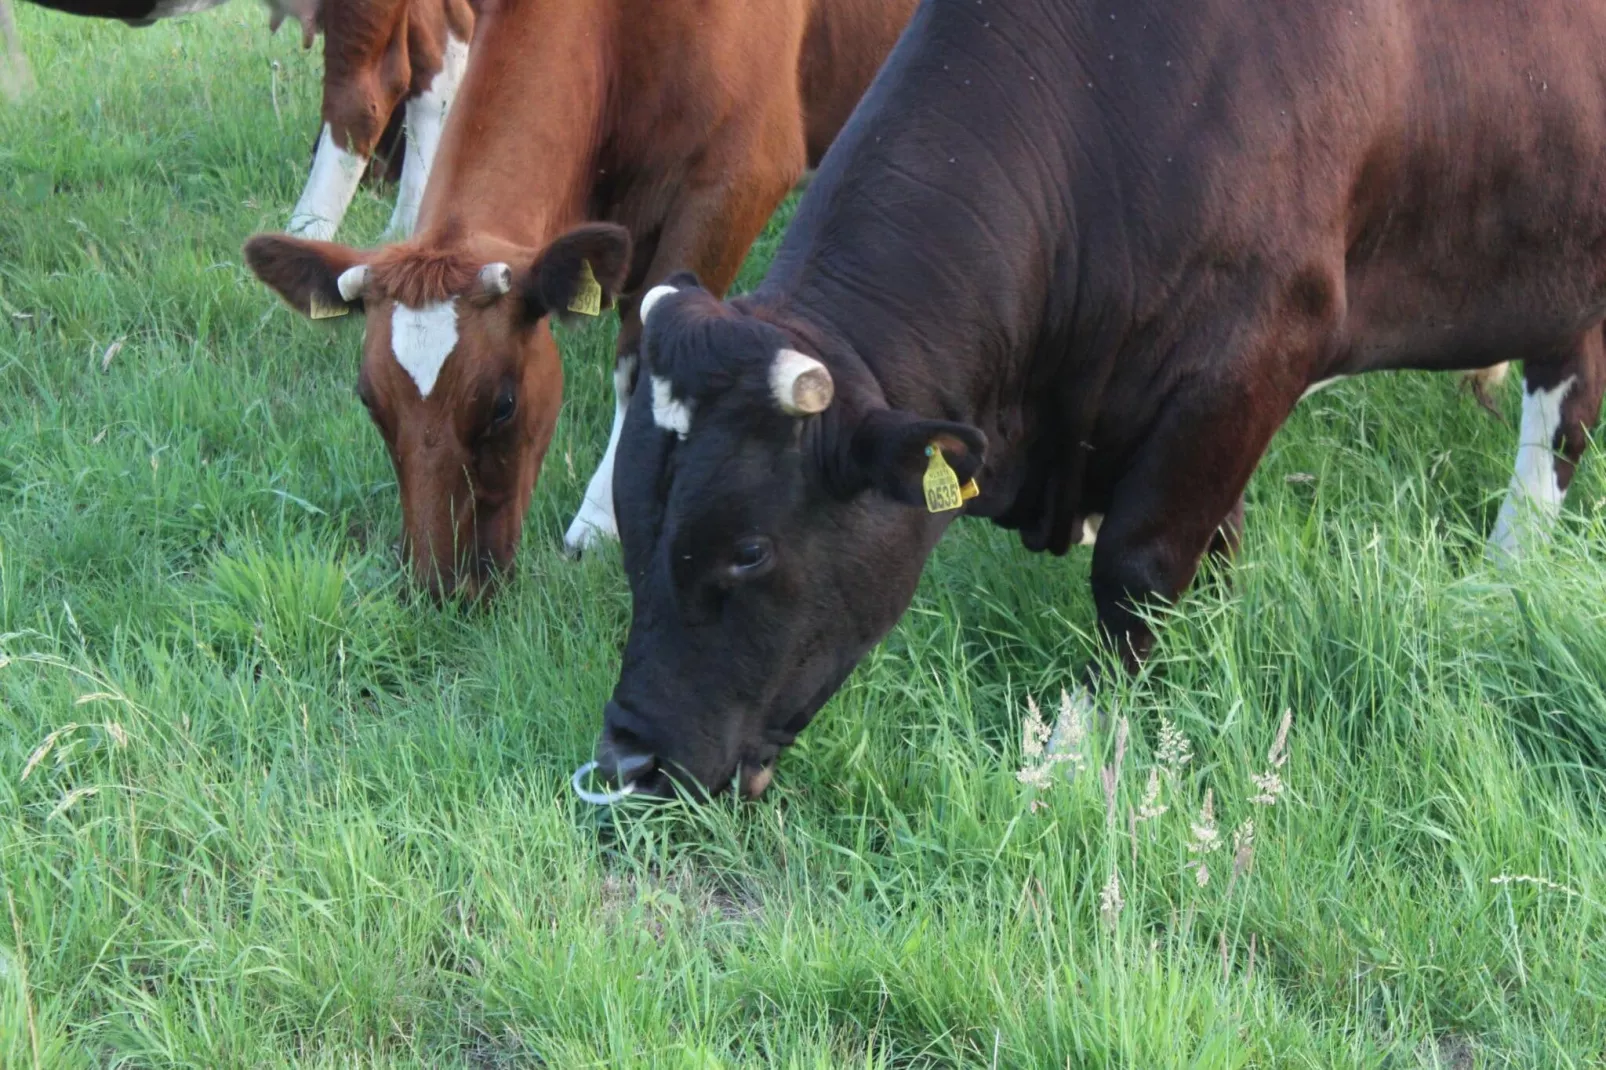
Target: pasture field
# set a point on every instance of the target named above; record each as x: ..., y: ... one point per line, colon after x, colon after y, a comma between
x: 261, y: 807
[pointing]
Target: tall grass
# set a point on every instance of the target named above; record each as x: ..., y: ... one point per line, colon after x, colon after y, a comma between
x: 261, y: 807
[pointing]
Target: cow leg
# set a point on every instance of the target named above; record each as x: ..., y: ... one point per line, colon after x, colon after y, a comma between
x: 336, y: 173
x: 363, y: 81
x: 1560, y: 403
x: 1182, y: 497
x: 707, y: 231
x: 426, y: 117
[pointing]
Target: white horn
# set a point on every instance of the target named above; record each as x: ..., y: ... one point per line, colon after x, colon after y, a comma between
x: 352, y: 282
x: 654, y: 295
x: 802, y: 385
x: 496, y: 279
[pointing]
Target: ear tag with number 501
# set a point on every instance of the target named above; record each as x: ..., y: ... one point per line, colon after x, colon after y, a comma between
x: 588, y: 293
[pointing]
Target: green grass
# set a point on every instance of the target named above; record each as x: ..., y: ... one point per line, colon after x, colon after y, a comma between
x: 260, y: 807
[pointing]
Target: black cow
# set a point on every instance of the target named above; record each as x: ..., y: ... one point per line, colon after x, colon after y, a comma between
x: 1092, y: 254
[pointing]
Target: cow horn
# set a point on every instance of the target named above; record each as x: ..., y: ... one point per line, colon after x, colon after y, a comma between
x: 495, y: 279
x: 654, y: 295
x: 802, y: 385
x: 352, y: 282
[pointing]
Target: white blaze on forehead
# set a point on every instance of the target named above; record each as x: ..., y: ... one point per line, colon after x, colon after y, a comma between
x: 654, y: 295
x: 422, y: 339
x: 667, y: 412
x: 1534, y: 500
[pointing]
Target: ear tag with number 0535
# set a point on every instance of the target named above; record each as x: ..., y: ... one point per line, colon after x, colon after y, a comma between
x: 943, y: 492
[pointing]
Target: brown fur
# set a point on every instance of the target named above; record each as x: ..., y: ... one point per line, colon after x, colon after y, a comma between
x: 417, y: 276
x: 683, y: 121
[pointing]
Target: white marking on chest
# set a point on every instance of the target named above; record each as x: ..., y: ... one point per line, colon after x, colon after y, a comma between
x: 668, y: 412
x: 1090, y: 529
x: 1534, y: 500
x: 422, y: 339
x: 426, y: 118
x: 1321, y: 385
x: 330, y: 187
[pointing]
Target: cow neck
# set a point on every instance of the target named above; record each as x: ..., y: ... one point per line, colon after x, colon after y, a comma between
x: 877, y: 356
x: 517, y: 153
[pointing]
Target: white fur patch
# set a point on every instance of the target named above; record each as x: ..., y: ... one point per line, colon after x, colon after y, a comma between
x: 330, y: 187
x: 1321, y: 385
x: 595, y: 521
x: 1534, y: 500
x: 1090, y: 528
x: 654, y: 295
x: 426, y: 118
x: 667, y: 412
x: 422, y: 339
x: 168, y: 9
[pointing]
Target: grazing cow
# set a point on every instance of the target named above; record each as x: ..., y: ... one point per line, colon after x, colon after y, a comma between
x: 1081, y: 260
x: 685, y: 121
x: 379, y: 56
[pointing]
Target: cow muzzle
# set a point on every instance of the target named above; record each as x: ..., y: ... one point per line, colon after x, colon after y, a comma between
x: 627, y: 766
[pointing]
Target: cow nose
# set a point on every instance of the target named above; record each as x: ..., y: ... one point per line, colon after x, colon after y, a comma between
x: 622, y: 759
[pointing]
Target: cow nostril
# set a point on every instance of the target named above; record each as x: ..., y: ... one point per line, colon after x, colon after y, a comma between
x: 631, y: 768
x: 623, y: 759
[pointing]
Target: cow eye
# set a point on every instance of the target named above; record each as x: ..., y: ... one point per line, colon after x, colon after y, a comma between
x: 506, y: 404
x: 751, y: 555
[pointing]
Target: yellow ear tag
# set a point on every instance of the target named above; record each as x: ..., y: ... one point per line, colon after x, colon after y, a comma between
x: 940, y: 483
x: 588, y: 293
x: 319, y: 309
x: 969, y: 490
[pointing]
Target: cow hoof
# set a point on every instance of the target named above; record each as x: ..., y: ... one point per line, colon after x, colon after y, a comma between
x: 586, y: 534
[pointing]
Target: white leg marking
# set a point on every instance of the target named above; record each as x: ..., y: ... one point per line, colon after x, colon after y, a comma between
x: 422, y: 339
x: 1321, y: 385
x: 1090, y: 528
x: 426, y: 117
x: 168, y: 9
x: 595, y: 522
x: 1534, y: 500
x: 330, y: 187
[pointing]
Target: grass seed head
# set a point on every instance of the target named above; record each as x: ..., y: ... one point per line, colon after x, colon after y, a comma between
x: 1174, y: 751
x: 1110, y: 901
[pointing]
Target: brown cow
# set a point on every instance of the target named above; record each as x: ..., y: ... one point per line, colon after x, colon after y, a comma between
x: 379, y: 56
x: 684, y: 122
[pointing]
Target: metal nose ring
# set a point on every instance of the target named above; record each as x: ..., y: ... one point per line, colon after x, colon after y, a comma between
x: 597, y: 798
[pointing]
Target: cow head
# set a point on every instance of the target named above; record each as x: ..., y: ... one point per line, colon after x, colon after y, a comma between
x: 459, y: 373
x: 774, y: 527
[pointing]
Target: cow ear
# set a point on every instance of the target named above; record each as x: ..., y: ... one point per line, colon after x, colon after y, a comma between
x: 579, y: 275
x: 889, y: 449
x: 316, y: 278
